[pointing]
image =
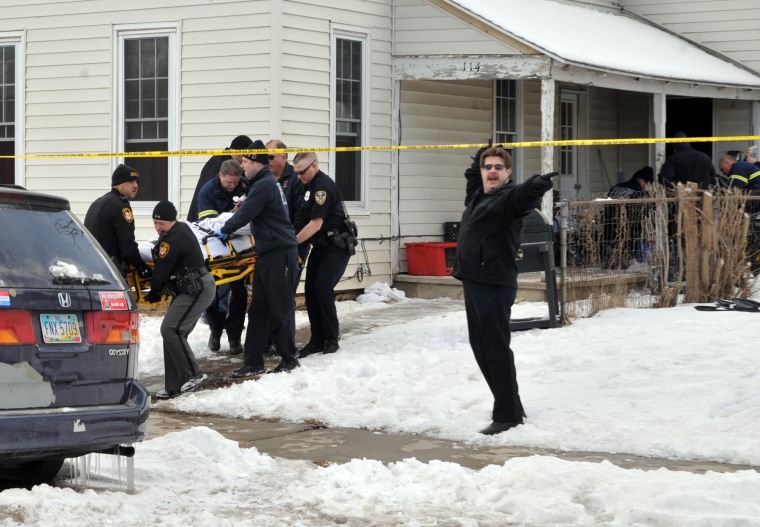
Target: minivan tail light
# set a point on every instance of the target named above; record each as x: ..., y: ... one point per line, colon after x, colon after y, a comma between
x: 113, y: 327
x: 16, y: 328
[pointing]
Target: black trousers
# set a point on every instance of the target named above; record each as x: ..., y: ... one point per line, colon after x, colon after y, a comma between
x: 489, y: 308
x: 273, y: 307
x: 232, y: 318
x: 325, y: 269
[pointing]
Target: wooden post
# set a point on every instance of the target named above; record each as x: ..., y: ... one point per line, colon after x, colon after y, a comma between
x: 706, y: 246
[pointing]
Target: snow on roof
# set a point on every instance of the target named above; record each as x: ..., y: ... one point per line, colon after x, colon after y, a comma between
x: 586, y: 36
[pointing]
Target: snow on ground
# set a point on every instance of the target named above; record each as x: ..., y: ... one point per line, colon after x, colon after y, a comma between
x: 675, y: 383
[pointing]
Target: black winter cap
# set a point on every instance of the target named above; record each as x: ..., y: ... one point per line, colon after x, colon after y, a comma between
x: 165, y: 211
x: 645, y: 173
x: 240, y: 142
x: 259, y: 158
x: 122, y: 174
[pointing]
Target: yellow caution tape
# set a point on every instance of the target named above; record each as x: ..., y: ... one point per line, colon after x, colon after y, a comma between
x: 521, y: 144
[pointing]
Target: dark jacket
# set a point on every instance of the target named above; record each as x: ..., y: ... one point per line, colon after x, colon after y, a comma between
x: 213, y: 199
x: 174, y: 251
x: 744, y: 175
x: 292, y: 188
x: 490, y: 232
x: 209, y: 171
x: 267, y: 211
x: 111, y: 222
x: 322, y: 199
x: 687, y: 164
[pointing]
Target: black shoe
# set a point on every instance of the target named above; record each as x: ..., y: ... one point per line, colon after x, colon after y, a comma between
x: 247, y: 371
x: 193, y: 382
x: 285, y: 367
x: 213, y: 341
x: 166, y: 394
x: 310, y: 349
x: 497, y: 428
x: 235, y: 347
x: 331, y: 346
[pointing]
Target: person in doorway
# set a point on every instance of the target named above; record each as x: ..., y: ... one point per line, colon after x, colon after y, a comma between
x: 112, y: 223
x: 272, y: 307
x: 211, y: 169
x: 324, y: 218
x: 487, y: 245
x: 227, y: 311
x: 687, y: 165
x: 179, y: 267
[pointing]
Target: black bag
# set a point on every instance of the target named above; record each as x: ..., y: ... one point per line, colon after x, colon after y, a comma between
x: 352, y: 236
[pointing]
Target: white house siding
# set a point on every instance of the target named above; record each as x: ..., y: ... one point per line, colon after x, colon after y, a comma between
x: 304, y: 93
x: 635, y: 111
x: 728, y: 26
x: 731, y: 118
x: 424, y: 29
x: 602, y: 161
x: 431, y: 182
x: 226, y: 57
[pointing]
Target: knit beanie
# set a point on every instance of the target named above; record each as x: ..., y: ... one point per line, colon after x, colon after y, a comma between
x: 260, y: 158
x: 122, y: 174
x: 165, y: 211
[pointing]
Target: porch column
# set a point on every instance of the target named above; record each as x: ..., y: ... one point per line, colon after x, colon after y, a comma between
x: 660, y: 117
x: 547, y: 134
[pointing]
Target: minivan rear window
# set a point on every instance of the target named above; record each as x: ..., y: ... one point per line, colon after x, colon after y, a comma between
x: 43, y: 248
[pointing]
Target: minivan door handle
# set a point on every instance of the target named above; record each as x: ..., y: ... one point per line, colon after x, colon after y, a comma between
x: 63, y: 379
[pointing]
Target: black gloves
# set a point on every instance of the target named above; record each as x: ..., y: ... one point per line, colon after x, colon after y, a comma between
x: 543, y: 183
x: 144, y: 272
x: 153, y: 296
x: 476, y: 159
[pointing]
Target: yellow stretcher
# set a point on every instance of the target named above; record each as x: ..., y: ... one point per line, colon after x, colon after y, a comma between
x: 224, y: 269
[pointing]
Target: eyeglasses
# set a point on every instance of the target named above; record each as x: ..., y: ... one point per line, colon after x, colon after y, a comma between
x: 302, y: 172
x: 271, y: 157
x: 497, y: 167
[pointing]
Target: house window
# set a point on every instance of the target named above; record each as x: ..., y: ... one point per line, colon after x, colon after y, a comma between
x: 506, y: 116
x: 7, y: 113
x: 568, y: 130
x: 350, y: 121
x: 146, y: 90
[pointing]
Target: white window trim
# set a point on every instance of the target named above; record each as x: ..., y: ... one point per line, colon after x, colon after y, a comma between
x: 360, y: 207
x: 18, y: 40
x: 517, y: 161
x: 120, y: 32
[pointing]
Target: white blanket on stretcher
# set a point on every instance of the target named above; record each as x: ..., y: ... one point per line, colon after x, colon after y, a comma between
x: 211, y: 246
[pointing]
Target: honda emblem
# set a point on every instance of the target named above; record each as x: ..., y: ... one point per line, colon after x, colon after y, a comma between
x: 64, y: 299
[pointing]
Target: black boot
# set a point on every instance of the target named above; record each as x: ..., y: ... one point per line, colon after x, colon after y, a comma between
x: 331, y: 346
x: 309, y: 349
x: 236, y: 348
x: 213, y: 340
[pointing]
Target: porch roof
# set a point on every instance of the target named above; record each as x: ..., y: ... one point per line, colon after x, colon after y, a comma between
x: 610, y: 41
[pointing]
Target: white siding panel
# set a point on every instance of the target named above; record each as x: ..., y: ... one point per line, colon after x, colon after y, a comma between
x: 731, y: 27
x: 423, y: 29
x: 732, y: 118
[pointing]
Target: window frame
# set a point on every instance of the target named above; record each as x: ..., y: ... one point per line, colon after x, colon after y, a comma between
x: 518, y: 113
x: 17, y: 40
x: 343, y: 32
x: 137, y: 31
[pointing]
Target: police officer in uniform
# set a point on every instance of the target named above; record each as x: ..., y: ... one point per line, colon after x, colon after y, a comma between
x: 227, y: 311
x: 324, y: 219
x: 179, y: 267
x: 272, y: 306
x: 111, y: 222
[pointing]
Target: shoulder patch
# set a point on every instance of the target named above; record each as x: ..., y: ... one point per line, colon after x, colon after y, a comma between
x: 127, y: 213
x: 164, y: 249
x: 320, y: 197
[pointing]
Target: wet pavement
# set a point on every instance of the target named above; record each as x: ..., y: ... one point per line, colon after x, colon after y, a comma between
x: 321, y: 445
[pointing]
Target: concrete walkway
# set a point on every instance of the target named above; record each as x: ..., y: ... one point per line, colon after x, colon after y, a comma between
x: 322, y: 445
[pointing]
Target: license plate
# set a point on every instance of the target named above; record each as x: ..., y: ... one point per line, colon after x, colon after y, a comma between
x: 60, y: 329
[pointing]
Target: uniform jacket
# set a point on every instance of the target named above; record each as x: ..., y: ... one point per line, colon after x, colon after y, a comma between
x: 209, y: 171
x: 687, y: 164
x: 213, y: 199
x: 292, y: 188
x: 744, y: 175
x: 322, y: 199
x: 267, y: 211
x: 491, y: 230
x: 111, y: 222
x: 174, y: 251
x: 627, y: 190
